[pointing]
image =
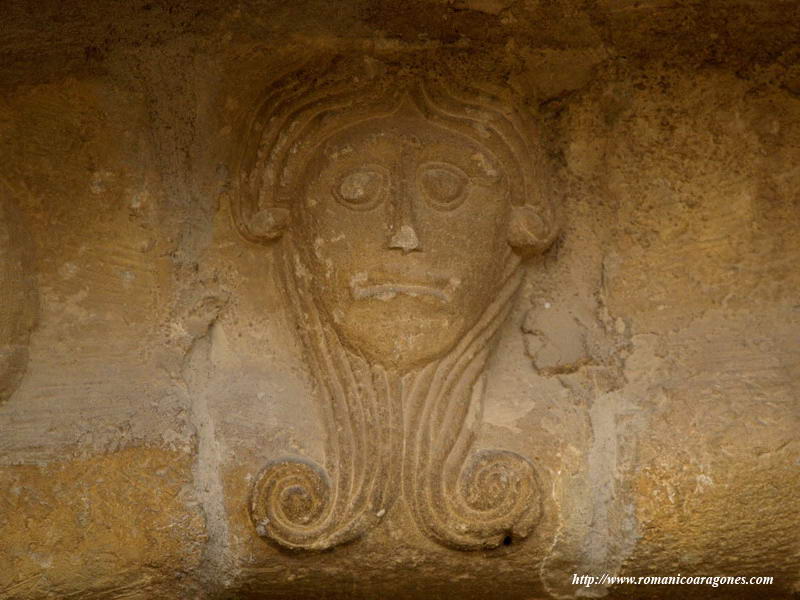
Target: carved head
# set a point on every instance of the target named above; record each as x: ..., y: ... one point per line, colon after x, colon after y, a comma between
x: 18, y: 306
x: 405, y: 201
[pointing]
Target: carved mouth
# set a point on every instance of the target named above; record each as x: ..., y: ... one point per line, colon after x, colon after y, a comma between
x: 361, y: 290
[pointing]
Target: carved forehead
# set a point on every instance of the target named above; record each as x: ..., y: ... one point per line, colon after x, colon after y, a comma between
x: 391, y: 137
x: 411, y: 130
x: 408, y: 116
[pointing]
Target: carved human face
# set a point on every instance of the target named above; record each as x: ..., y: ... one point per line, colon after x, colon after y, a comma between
x: 403, y: 233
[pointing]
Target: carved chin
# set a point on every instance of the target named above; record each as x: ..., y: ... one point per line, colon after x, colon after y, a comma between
x: 401, y: 336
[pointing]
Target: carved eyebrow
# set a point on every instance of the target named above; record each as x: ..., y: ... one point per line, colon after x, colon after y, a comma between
x: 473, y: 171
x: 479, y: 163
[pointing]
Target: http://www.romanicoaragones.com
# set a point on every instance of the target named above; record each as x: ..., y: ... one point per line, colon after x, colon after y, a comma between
x: 714, y: 581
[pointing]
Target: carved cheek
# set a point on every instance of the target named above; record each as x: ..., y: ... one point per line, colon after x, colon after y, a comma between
x: 477, y: 226
x: 321, y: 215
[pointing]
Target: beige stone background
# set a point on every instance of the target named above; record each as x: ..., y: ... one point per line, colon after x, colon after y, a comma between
x: 651, y: 369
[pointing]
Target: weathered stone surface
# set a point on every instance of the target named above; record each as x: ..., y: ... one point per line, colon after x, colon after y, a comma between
x: 121, y: 524
x: 218, y: 398
x: 18, y: 299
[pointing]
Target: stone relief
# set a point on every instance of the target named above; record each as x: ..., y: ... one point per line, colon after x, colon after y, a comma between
x: 18, y: 303
x: 406, y: 202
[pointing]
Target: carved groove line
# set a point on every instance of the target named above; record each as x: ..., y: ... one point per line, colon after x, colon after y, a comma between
x: 297, y: 504
x: 18, y: 295
x: 473, y: 506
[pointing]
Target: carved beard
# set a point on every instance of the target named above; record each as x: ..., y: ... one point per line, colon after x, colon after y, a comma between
x: 391, y: 434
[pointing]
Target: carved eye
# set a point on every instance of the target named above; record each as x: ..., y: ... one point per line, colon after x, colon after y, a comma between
x: 444, y: 185
x: 363, y: 188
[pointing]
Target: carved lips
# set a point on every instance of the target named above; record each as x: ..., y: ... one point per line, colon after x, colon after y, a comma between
x: 361, y: 289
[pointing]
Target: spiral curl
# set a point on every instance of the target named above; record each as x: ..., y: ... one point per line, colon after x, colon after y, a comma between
x: 288, y: 502
x: 501, y: 489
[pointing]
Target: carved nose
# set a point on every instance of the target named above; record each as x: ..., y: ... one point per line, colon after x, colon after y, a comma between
x: 405, y: 239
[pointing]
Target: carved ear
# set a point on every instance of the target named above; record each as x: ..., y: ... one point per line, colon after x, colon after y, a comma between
x: 269, y: 223
x: 258, y: 226
x: 532, y: 229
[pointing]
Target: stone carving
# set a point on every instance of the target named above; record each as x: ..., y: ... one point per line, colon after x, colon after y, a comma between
x: 18, y: 305
x: 405, y: 203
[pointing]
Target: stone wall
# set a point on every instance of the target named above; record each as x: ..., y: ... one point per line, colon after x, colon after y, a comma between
x: 211, y: 386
